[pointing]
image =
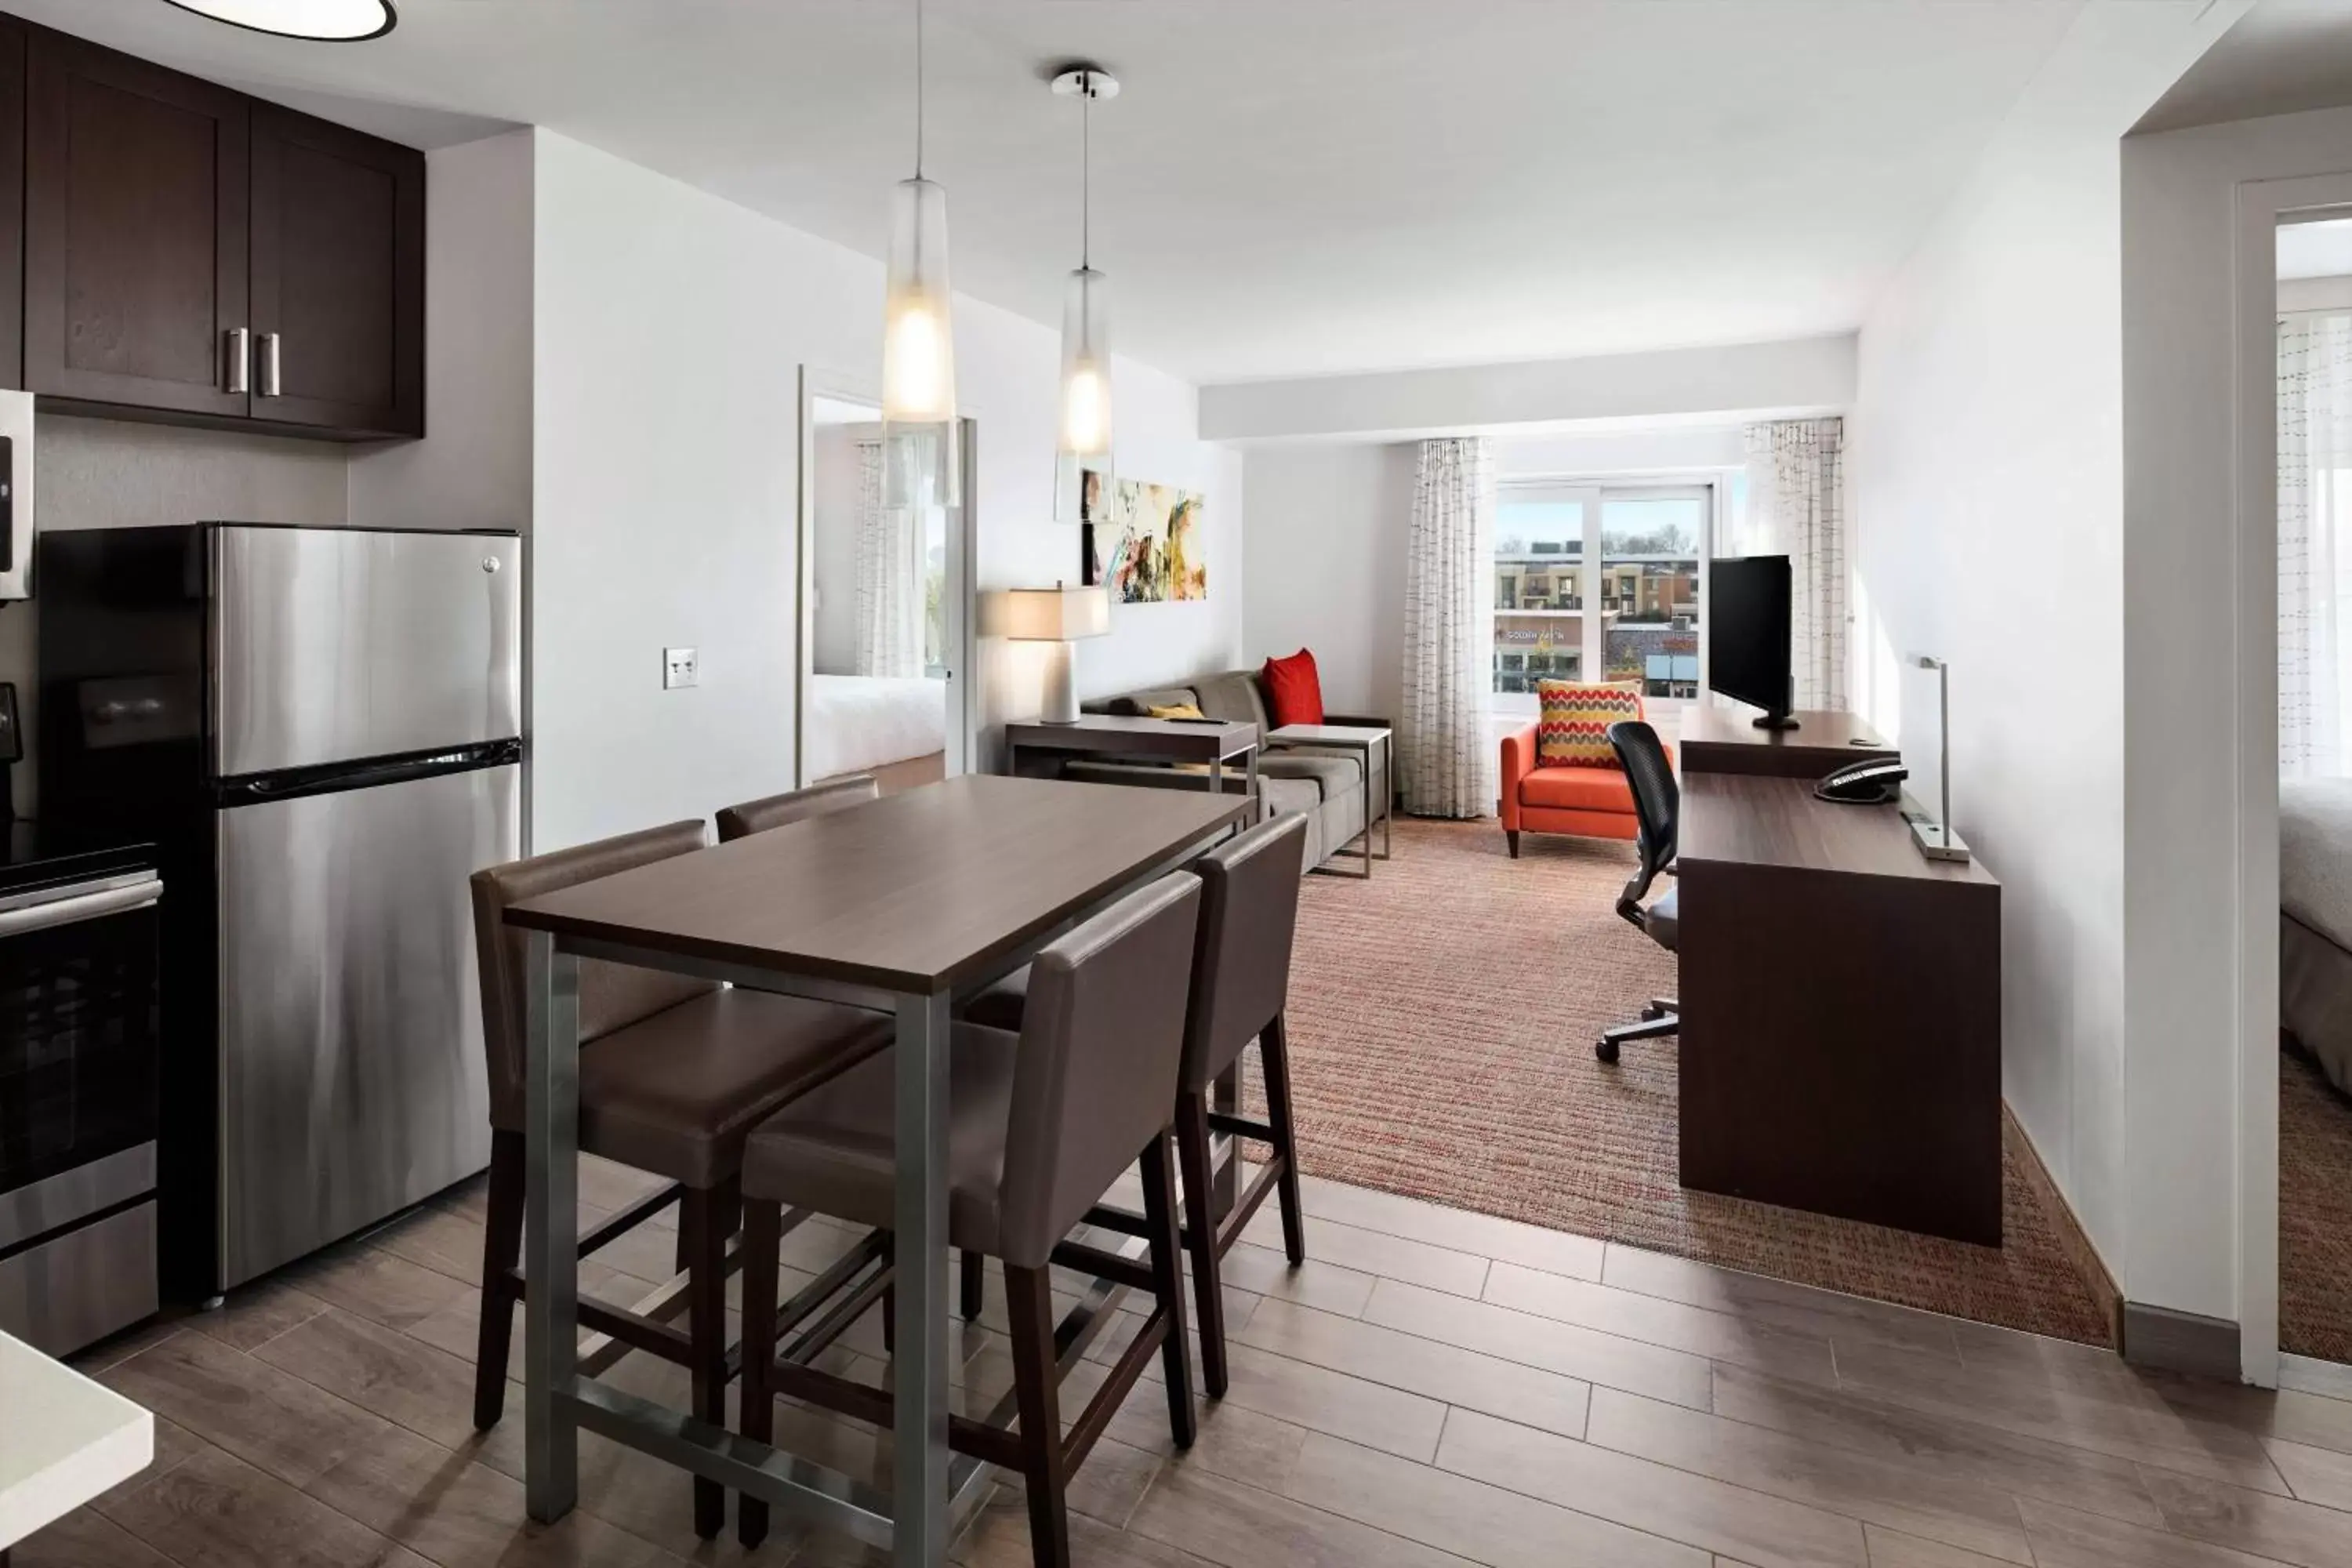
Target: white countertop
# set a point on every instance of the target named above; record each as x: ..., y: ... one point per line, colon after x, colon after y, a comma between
x: 63, y: 1439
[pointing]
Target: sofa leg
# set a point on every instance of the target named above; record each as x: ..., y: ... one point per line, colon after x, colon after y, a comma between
x: 1513, y: 835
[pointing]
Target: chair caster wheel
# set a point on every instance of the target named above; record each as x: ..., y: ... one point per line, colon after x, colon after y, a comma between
x: 1652, y: 1014
x: 1605, y: 1049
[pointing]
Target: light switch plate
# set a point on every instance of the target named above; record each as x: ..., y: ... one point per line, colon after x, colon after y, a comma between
x: 680, y: 668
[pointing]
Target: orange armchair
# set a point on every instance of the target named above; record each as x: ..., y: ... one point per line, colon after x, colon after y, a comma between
x: 1587, y: 802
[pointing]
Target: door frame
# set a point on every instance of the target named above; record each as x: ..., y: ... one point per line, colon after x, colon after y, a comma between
x: 2262, y: 206
x: 957, y: 596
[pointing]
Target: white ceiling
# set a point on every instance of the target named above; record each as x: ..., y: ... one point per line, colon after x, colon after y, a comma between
x: 1286, y: 187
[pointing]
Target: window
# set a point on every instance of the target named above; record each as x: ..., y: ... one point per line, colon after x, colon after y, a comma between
x: 1637, y: 552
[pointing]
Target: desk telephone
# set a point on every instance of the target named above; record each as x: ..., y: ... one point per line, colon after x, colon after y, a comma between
x: 1873, y: 780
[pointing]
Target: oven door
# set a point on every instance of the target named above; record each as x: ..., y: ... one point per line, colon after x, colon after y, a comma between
x: 78, y: 1038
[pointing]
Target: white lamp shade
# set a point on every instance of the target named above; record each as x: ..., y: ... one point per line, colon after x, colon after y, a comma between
x: 921, y: 465
x: 1085, y: 442
x: 331, y: 21
x: 1053, y: 615
x: 918, y: 326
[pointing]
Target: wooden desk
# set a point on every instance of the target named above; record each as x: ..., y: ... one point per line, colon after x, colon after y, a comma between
x: 904, y: 905
x: 1840, y: 1010
x: 1726, y: 740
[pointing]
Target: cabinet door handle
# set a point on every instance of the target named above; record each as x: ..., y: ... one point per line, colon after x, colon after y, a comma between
x: 240, y: 358
x: 270, y: 365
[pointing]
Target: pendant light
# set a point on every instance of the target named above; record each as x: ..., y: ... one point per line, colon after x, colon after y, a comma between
x: 326, y: 21
x: 1083, y: 447
x: 920, y: 466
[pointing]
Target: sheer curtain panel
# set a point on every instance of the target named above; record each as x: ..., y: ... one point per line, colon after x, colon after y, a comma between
x: 2315, y: 542
x: 1450, y: 764
x: 889, y: 577
x: 1796, y: 503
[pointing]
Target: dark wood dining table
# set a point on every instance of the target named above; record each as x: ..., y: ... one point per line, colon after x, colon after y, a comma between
x: 908, y: 905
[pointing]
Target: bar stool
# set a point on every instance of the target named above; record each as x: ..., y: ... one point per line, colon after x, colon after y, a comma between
x: 674, y: 1074
x: 795, y: 805
x: 1040, y: 1125
x: 798, y: 805
x: 1241, y: 986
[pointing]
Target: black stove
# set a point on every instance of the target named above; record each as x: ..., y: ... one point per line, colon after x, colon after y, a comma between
x: 79, y: 1064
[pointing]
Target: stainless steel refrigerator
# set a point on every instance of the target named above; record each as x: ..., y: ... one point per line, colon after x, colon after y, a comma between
x: 322, y: 728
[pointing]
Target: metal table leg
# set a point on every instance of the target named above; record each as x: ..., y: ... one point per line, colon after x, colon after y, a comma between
x: 920, y: 1370
x: 551, y: 1231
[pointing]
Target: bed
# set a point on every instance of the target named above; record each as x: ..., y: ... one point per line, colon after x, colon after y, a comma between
x: 2316, y: 921
x: 895, y: 729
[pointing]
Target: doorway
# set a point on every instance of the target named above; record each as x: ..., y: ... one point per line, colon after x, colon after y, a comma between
x: 884, y: 604
x: 2313, y: 429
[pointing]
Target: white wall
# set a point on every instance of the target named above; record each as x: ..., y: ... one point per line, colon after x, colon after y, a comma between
x: 1326, y: 552
x: 2181, y: 490
x: 1987, y: 467
x: 1801, y: 375
x: 473, y: 468
x: 669, y: 330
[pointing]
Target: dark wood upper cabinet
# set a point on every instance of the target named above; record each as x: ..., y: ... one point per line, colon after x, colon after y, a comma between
x: 338, y: 277
x: 136, y: 185
x: 12, y: 201
x: 190, y: 254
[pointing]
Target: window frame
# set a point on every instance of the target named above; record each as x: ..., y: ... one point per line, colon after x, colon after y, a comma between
x: 1590, y: 493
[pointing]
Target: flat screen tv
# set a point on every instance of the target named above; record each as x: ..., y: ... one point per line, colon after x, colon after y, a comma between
x: 1747, y: 635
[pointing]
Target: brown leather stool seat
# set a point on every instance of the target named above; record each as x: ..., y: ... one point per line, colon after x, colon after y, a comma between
x: 675, y: 1072
x: 1040, y: 1125
x: 1002, y: 1005
x: 678, y: 1092
x: 832, y: 1149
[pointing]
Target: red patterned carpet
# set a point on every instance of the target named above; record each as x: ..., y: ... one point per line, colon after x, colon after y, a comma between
x: 2314, y: 1213
x: 1442, y: 1020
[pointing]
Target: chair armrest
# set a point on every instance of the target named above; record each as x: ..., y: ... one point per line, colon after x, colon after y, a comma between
x: 1518, y: 760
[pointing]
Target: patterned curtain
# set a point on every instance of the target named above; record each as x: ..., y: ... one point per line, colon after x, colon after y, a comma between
x: 889, y: 577
x: 1449, y: 765
x: 1796, y: 502
x: 2315, y: 542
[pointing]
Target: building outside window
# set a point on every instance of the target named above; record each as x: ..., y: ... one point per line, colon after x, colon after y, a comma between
x: 1601, y: 580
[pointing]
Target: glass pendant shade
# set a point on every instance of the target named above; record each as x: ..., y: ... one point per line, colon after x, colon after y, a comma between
x: 330, y: 21
x: 918, y: 408
x: 1084, y: 446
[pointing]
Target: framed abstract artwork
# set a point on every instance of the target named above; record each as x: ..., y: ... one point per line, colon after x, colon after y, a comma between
x: 1148, y: 542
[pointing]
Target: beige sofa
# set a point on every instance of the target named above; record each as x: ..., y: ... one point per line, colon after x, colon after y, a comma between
x: 1327, y: 787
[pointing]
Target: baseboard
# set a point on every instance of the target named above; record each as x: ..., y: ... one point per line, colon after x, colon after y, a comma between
x: 2072, y: 1237
x: 2164, y: 1340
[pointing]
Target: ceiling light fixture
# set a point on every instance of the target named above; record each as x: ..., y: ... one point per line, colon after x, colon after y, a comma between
x: 919, y: 401
x: 323, y: 21
x: 1084, y: 448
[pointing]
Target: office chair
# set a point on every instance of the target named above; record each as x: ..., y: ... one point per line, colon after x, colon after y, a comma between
x: 1657, y: 806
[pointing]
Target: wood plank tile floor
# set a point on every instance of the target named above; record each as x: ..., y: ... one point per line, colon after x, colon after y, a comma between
x: 1431, y: 1389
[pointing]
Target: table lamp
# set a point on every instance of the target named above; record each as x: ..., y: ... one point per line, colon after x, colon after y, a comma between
x: 1059, y: 615
x: 1936, y: 839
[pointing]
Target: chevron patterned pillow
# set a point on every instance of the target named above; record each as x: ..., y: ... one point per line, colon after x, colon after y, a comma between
x: 1574, y: 729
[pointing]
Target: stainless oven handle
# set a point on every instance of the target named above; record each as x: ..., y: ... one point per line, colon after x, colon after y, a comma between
x: 87, y: 907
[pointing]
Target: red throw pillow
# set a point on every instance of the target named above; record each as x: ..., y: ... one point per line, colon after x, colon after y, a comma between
x: 1294, y: 693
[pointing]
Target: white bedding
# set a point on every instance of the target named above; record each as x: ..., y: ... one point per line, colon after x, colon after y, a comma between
x: 859, y: 721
